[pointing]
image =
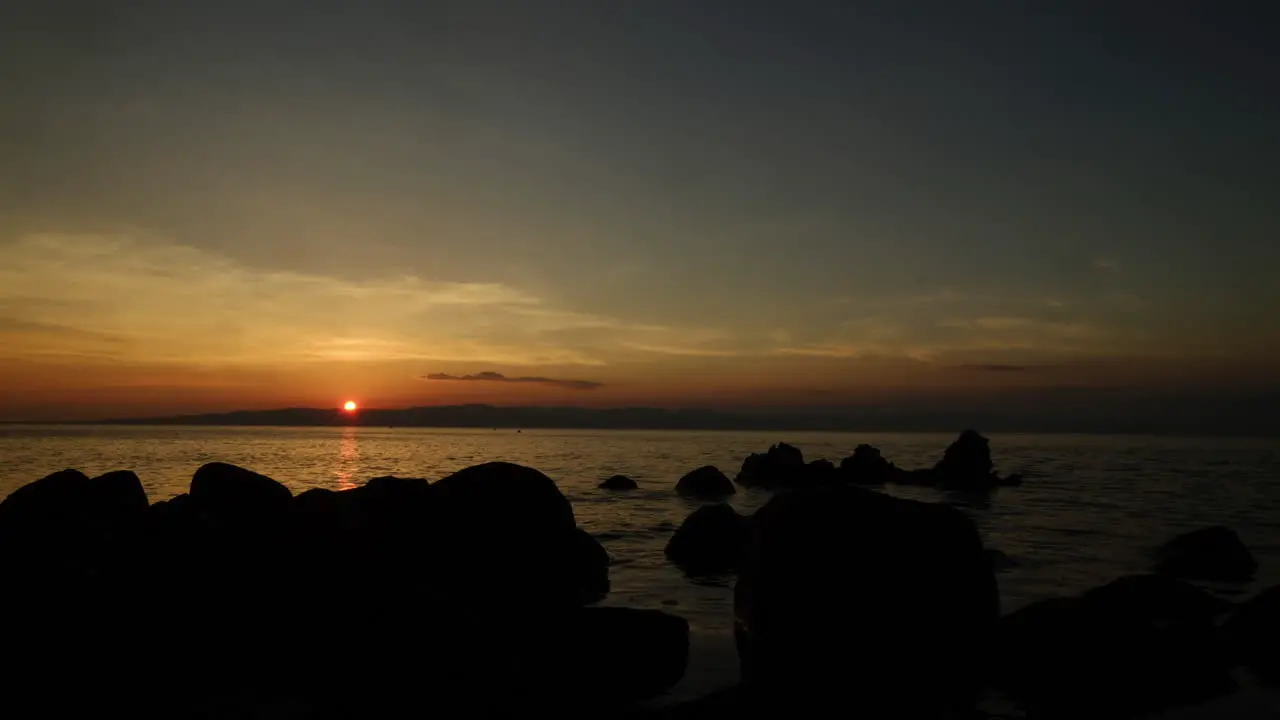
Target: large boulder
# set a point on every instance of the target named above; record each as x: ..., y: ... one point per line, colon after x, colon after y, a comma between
x: 1211, y: 553
x: 781, y: 466
x: 1137, y: 645
x: 506, y: 495
x: 705, y: 483
x: 1253, y: 635
x: 232, y: 496
x: 855, y: 600
x: 65, y: 524
x: 618, y: 482
x: 504, y: 525
x: 709, y: 541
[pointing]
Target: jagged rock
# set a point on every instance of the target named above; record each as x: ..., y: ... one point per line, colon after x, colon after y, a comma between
x: 1212, y: 553
x: 1134, y: 646
x: 852, y: 597
x: 820, y: 473
x: 966, y: 466
x: 781, y: 466
x: 1253, y: 635
x: 866, y: 466
x: 709, y: 541
x: 618, y: 482
x: 705, y: 483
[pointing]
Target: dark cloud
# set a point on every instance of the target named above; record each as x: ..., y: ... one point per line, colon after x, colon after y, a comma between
x: 997, y: 367
x: 499, y: 377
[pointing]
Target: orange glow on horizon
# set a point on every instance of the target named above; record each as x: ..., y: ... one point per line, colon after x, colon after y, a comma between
x: 349, y: 406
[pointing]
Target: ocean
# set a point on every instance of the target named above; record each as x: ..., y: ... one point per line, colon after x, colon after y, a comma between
x: 1090, y: 510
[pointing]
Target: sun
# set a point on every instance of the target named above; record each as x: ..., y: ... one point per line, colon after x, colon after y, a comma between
x: 349, y: 406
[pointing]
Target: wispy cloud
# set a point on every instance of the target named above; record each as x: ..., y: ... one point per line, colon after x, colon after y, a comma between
x: 995, y: 367
x: 499, y: 377
x: 165, y: 302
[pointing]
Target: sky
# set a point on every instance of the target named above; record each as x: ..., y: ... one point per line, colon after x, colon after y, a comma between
x: 209, y: 206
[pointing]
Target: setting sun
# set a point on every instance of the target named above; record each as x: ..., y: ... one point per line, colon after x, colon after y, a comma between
x: 349, y: 406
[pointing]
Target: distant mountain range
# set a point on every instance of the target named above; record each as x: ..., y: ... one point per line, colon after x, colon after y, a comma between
x: 1224, y: 416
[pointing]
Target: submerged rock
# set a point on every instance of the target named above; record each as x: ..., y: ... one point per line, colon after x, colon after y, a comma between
x: 1212, y: 553
x: 1134, y: 646
x: 710, y: 540
x: 618, y: 482
x: 705, y: 483
x: 855, y: 600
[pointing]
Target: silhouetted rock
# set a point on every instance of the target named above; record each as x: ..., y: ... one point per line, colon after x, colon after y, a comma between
x: 1134, y: 646
x: 509, y: 526
x: 618, y: 482
x: 705, y: 483
x: 866, y: 466
x: 966, y: 466
x: 819, y: 473
x: 1212, y: 553
x: 232, y: 495
x: 781, y: 466
x: 1253, y: 635
x: 851, y: 597
x: 118, y: 495
x: 710, y: 540
x: 58, y: 528
x: 508, y: 496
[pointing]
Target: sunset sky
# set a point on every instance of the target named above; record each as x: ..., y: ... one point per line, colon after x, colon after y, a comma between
x: 217, y: 205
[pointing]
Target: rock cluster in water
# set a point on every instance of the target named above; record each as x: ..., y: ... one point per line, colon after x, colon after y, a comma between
x: 472, y: 597
x: 965, y: 466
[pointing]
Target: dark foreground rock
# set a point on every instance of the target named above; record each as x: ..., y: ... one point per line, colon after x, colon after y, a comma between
x: 710, y: 540
x: 462, y: 598
x: 1253, y: 635
x: 1212, y: 553
x: 705, y: 483
x: 618, y: 482
x: 854, y: 600
x: 1137, y: 645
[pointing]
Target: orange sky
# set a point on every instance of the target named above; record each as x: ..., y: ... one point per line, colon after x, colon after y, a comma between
x: 224, y: 205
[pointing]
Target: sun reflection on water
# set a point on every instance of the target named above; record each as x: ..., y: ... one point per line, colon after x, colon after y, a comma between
x: 348, y: 459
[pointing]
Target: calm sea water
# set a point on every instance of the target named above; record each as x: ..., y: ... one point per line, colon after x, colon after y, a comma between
x: 1090, y: 510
